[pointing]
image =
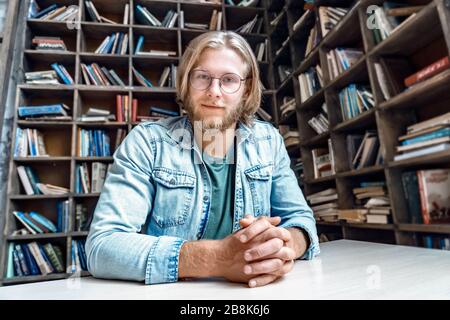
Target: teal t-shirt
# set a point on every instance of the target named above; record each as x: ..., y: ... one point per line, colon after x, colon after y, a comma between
x: 220, y: 218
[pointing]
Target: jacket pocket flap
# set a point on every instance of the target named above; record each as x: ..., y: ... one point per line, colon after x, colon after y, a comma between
x: 260, y: 171
x: 173, y: 178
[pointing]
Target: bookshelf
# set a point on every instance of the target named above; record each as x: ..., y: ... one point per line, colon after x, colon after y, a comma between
x: 420, y: 41
x: 81, y: 37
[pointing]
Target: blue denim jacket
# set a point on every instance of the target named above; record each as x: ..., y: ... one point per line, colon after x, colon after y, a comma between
x: 157, y: 195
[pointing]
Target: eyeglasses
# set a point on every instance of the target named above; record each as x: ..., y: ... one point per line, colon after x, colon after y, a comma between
x: 202, y: 80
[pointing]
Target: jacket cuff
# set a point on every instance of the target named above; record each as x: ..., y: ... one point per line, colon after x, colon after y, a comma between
x: 313, y: 249
x: 162, y: 263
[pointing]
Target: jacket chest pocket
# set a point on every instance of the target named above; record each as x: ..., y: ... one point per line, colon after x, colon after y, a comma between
x: 259, y: 178
x: 174, y: 191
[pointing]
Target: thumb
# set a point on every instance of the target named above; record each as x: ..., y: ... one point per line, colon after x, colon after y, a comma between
x: 246, y: 221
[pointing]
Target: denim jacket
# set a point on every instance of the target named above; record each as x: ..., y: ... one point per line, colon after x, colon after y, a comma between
x: 157, y: 195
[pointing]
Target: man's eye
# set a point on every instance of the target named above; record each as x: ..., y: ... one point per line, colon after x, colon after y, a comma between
x: 228, y: 79
x: 203, y: 77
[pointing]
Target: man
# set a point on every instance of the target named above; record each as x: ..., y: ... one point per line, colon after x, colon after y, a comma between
x: 210, y: 194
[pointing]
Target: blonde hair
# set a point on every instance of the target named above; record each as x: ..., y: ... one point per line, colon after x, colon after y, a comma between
x: 218, y: 40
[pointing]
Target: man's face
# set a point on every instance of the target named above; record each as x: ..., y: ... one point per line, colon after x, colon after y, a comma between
x: 213, y: 106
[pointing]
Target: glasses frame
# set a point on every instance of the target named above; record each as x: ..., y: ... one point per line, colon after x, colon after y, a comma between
x: 220, y: 81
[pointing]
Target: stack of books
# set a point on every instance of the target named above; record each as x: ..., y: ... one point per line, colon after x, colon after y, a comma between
x: 261, y: 51
x: 242, y: 3
x: 291, y: 136
x: 310, y: 82
x: 41, y: 77
x: 94, y: 16
x: 353, y: 215
x: 48, y: 43
x: 93, y: 143
x: 354, y: 100
x: 123, y: 107
x: 390, y: 17
x: 436, y: 242
x: 85, y: 183
x: 116, y: 43
x: 45, y: 112
x: 288, y: 105
x: 143, y: 81
x: 342, y: 59
x: 30, y: 259
x: 364, y: 150
x: 313, y: 40
x: 35, y: 222
x: 82, y: 220
x: 29, y: 142
x: 32, y: 184
x: 63, y: 73
x: 373, y: 197
x: 94, y: 75
x: 144, y: 16
x: 53, y: 12
x: 78, y: 254
x: 329, y: 17
x: 319, y: 123
x: 324, y: 205
x: 97, y: 115
x: 162, y: 112
x: 323, y: 162
x: 168, y: 76
x: 423, y: 138
x: 139, y: 50
x: 253, y: 26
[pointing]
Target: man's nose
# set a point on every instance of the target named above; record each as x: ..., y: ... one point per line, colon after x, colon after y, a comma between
x: 214, y: 88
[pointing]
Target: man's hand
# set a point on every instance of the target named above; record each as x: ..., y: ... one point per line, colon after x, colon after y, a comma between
x: 230, y: 253
x: 271, y: 255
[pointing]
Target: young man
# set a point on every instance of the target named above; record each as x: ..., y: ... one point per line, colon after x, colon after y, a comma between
x: 210, y: 194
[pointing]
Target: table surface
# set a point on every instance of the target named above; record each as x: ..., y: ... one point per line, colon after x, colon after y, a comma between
x: 345, y: 269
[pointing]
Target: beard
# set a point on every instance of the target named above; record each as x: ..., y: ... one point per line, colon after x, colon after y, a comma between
x: 231, y: 117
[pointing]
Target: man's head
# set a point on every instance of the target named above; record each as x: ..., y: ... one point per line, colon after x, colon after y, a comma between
x: 218, y: 80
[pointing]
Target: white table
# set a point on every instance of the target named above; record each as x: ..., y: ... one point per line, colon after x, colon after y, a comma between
x: 345, y: 269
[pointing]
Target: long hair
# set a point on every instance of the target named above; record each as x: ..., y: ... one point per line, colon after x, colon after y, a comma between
x: 218, y: 40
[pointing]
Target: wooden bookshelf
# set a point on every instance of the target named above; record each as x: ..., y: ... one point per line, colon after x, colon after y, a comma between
x: 61, y: 136
x: 420, y: 41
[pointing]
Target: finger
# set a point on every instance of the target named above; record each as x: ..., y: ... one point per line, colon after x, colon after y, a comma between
x: 258, y: 226
x: 263, y: 250
x: 285, y: 254
x: 265, y: 266
x: 287, y: 267
x: 246, y: 221
x: 249, y: 219
x: 262, y: 280
x: 277, y: 232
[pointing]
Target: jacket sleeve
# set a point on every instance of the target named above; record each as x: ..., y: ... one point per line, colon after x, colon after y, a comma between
x: 287, y: 200
x: 115, y: 249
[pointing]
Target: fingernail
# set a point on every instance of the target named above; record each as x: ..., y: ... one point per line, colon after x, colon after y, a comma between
x: 247, y: 269
x: 243, y: 238
x: 252, y: 283
x: 247, y: 256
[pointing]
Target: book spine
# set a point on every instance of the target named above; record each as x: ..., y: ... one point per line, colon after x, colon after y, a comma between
x: 428, y: 72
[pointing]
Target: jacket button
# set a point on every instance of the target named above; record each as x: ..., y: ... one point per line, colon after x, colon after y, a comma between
x: 205, y: 198
x: 172, y: 181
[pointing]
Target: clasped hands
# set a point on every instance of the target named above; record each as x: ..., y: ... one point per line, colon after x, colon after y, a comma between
x: 259, y: 253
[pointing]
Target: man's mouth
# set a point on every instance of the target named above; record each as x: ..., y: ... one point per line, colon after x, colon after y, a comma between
x: 211, y: 106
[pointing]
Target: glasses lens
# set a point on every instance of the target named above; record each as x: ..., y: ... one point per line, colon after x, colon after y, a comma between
x: 230, y: 82
x: 200, y: 80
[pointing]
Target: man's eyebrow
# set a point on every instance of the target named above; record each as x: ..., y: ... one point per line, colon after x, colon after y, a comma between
x: 226, y: 72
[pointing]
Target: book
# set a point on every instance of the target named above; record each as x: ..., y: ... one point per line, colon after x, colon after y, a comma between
x: 434, y: 190
x: 410, y: 186
x: 422, y: 152
x: 428, y: 72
